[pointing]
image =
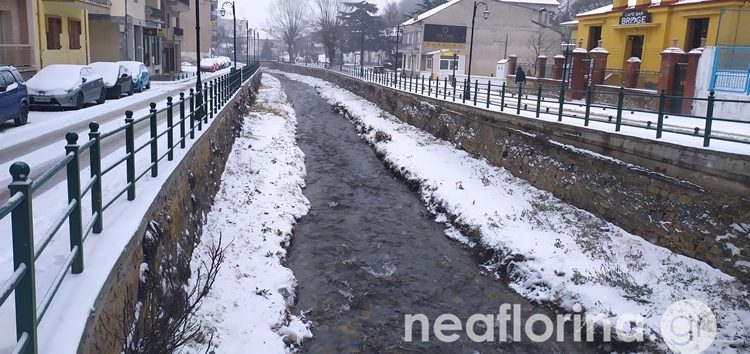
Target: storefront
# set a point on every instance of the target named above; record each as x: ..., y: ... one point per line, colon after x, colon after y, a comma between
x: 643, y: 29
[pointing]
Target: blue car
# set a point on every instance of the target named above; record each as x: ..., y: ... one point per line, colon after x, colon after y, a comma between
x: 14, y: 98
x: 141, y: 76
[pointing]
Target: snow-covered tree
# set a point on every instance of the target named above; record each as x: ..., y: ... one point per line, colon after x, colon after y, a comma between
x: 288, y: 20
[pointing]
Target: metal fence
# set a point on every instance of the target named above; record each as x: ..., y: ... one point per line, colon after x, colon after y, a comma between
x: 553, y: 100
x: 183, y: 117
x: 731, y: 69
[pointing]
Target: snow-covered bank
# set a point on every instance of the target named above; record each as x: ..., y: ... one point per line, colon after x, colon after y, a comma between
x: 256, y: 208
x: 552, y: 252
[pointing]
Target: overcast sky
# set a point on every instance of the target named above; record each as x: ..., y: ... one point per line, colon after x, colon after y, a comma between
x: 256, y: 10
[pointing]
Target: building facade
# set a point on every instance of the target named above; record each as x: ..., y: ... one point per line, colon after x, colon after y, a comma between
x: 644, y: 28
x: 148, y: 31
x: 513, y: 27
x: 208, y: 15
x: 18, y: 45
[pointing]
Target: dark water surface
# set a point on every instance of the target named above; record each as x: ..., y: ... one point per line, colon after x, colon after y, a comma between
x: 368, y: 253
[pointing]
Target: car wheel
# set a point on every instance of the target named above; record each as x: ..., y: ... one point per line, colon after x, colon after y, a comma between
x: 102, y: 96
x: 23, y: 115
x: 79, y: 101
x: 148, y: 86
x: 118, y: 93
x: 130, y: 93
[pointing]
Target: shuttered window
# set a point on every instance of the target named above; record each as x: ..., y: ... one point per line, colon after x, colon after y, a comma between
x: 74, y: 32
x: 54, y: 29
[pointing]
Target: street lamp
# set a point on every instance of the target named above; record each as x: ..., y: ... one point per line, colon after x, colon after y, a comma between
x: 362, y: 56
x: 454, y: 64
x: 467, y: 94
x: 247, y: 41
x: 198, y: 85
x: 396, y: 57
x: 223, y: 12
x: 566, y: 52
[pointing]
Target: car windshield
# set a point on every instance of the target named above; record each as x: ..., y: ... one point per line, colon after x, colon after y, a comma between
x: 56, y: 77
x: 109, y: 72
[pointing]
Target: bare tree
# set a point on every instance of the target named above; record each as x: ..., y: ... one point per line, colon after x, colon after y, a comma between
x: 288, y: 21
x: 329, y: 25
x: 392, y: 15
x: 540, y: 44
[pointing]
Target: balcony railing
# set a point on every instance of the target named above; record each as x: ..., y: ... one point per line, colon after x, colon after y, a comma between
x: 154, y: 13
x: 18, y: 55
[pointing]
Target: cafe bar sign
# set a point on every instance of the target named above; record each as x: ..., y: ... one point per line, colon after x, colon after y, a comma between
x: 635, y: 18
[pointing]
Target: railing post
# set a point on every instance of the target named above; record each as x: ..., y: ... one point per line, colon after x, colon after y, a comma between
x: 429, y: 86
x: 154, y: 141
x: 445, y: 88
x: 489, y: 90
x: 75, y: 220
x: 130, y: 150
x: 709, y: 118
x: 476, y: 91
x: 660, y: 113
x: 22, y: 222
x: 95, y: 161
x: 502, y: 97
x: 205, y: 102
x: 587, y: 114
x: 215, y: 95
x: 182, y: 120
x: 210, y: 100
x: 192, y: 114
x: 455, y: 84
x: 170, y: 129
x: 538, y: 100
x: 463, y: 91
x: 520, y: 93
x: 562, y: 102
x: 620, y: 101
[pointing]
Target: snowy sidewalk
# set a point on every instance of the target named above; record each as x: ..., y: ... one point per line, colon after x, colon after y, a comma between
x: 555, y: 252
x: 256, y: 208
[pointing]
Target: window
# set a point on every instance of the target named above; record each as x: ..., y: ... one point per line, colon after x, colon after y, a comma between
x: 445, y: 64
x: 697, y: 29
x: 54, y: 30
x: 5, y: 27
x: 74, y: 33
x: 595, y: 34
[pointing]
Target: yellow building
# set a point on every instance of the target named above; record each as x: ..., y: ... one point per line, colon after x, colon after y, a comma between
x: 643, y: 28
x: 62, y: 30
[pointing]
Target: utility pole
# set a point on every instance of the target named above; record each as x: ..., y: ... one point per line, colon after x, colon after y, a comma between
x: 198, y: 84
x: 127, y: 37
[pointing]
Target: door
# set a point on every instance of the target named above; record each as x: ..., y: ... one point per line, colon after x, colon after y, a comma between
x: 678, y: 88
x: 634, y: 47
x: 5, y: 98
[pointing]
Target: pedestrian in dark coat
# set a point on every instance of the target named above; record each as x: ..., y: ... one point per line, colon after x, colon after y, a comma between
x: 520, y: 76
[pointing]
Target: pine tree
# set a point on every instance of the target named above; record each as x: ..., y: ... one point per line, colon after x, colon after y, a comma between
x: 428, y: 5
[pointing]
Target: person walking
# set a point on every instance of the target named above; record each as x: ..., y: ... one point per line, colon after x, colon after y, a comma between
x: 520, y: 77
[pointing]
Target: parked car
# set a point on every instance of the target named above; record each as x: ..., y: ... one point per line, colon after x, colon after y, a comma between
x: 116, y: 78
x: 141, y: 76
x: 14, y: 98
x: 209, y: 65
x: 188, y: 67
x: 63, y: 85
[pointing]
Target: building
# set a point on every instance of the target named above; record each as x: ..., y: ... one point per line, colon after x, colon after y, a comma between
x: 518, y: 27
x: 18, y: 44
x: 142, y: 30
x: 644, y: 28
x: 208, y: 15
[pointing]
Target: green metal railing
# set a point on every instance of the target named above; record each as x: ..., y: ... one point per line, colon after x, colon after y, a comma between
x: 217, y: 92
x: 551, y: 99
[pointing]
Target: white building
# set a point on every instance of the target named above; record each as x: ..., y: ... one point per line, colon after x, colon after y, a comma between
x: 513, y: 27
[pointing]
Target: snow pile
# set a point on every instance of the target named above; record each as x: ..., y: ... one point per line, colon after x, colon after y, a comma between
x: 254, y: 213
x: 549, y: 251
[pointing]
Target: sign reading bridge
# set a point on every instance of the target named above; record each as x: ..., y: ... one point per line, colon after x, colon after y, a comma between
x: 444, y: 35
x: 635, y: 18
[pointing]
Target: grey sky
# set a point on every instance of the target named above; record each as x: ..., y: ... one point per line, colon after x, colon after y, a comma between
x: 255, y: 10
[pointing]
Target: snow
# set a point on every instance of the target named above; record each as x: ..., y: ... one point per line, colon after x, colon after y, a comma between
x: 254, y: 213
x: 429, y: 13
x: 553, y: 252
x: 55, y: 79
x: 110, y: 72
x: 64, y: 322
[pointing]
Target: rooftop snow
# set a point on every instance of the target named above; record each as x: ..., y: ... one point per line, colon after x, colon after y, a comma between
x: 444, y: 6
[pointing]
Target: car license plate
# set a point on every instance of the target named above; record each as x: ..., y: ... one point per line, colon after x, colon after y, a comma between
x: 42, y: 99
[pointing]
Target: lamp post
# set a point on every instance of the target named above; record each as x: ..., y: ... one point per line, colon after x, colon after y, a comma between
x: 247, y: 41
x: 234, y: 19
x: 396, y: 57
x: 467, y: 94
x: 566, y: 52
x: 362, y: 56
x: 454, y: 65
x: 198, y: 84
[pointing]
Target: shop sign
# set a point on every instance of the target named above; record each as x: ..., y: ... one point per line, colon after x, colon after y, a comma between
x: 635, y: 18
x: 444, y: 35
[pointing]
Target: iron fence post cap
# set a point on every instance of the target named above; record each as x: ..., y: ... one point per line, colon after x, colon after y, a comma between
x: 20, y: 171
x: 152, y: 105
x: 71, y: 138
x: 94, y: 126
x: 128, y: 115
x: 169, y: 99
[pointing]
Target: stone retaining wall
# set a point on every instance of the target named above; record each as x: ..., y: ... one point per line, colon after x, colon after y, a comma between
x: 171, y: 227
x: 693, y: 201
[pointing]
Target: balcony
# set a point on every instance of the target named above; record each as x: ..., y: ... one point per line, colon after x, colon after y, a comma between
x: 18, y: 55
x: 93, y: 6
x: 179, y: 5
x: 154, y: 14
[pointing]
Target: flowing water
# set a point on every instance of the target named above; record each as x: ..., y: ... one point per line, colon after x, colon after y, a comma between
x: 368, y: 253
